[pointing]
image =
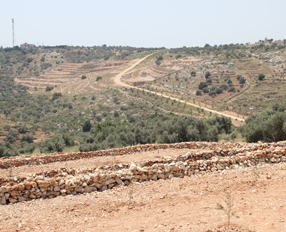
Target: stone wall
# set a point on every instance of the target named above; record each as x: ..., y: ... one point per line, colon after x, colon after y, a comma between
x: 217, y: 148
x: 70, y: 181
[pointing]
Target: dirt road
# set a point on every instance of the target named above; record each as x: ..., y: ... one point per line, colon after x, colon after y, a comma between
x: 117, y: 80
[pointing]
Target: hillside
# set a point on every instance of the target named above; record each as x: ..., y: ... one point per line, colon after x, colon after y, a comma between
x: 143, y: 139
x: 134, y: 88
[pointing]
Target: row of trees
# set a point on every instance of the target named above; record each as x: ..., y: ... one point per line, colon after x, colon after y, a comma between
x: 179, y: 129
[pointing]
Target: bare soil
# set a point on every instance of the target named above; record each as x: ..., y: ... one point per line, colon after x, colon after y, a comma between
x: 178, y: 204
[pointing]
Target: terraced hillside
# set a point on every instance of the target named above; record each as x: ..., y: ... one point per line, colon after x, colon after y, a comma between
x: 173, y: 187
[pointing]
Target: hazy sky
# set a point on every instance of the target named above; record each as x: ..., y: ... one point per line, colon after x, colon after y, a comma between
x: 145, y: 23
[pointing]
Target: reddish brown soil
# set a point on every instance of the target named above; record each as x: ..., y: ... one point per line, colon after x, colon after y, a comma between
x: 186, y: 204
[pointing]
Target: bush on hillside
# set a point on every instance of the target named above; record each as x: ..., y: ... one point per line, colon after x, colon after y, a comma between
x: 269, y: 126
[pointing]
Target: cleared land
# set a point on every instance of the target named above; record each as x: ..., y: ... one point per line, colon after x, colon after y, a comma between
x: 178, y: 204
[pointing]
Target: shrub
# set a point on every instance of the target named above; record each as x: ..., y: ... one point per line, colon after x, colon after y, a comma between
x: 233, y: 135
x: 269, y: 126
x: 87, y: 126
x: 98, y: 78
x: 56, y: 96
x: 98, y: 118
x: 207, y: 75
x: 231, y: 89
x: 55, y: 144
x: 261, y: 77
x: 27, y: 138
x: 45, y: 65
x: 123, y: 108
x: 27, y: 148
x: 7, y: 149
x: 203, y: 85
x: 218, y: 90
x: 212, y: 93
x: 68, y: 140
x: 22, y: 129
x: 242, y: 80
x: 49, y: 88
x: 83, y: 77
x: 178, y: 56
x: 198, y: 92
x: 115, y: 99
x: 206, y: 90
x: 6, y: 127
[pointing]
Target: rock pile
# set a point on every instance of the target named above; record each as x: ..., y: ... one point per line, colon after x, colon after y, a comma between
x: 70, y: 181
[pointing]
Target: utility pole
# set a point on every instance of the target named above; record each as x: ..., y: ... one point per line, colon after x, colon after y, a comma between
x: 13, y: 31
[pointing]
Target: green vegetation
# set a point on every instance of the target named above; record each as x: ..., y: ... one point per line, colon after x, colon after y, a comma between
x: 178, y: 129
x: 203, y: 85
x: 98, y: 78
x: 261, y: 77
x: 8, y: 149
x: 49, y: 88
x: 227, y: 207
x: 207, y: 75
x: 159, y: 60
x: 106, y: 118
x: 270, y: 126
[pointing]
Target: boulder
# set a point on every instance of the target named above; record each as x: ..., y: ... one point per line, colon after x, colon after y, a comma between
x: 89, y: 189
x: 43, y: 183
x: 3, y: 200
x: 110, y: 181
x: 21, y: 198
x: 12, y: 200
x: 119, y: 181
x: 133, y: 167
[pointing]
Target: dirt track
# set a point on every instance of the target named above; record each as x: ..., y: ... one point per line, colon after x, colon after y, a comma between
x: 117, y: 80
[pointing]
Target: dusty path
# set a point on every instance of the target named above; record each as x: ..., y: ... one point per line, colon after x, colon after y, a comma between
x: 117, y: 80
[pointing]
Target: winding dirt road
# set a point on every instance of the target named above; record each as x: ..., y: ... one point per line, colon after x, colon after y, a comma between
x: 117, y: 80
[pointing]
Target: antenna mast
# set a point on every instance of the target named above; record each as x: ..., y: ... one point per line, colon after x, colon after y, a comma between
x: 13, y: 31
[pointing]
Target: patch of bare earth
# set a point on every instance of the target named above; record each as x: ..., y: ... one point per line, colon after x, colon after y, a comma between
x: 178, y: 204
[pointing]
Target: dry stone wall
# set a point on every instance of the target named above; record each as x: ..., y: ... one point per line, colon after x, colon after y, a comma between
x: 217, y: 148
x: 64, y: 181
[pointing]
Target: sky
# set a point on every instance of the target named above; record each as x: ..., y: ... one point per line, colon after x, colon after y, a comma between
x: 145, y: 23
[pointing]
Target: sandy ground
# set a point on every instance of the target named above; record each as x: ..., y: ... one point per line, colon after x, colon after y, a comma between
x: 179, y: 204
